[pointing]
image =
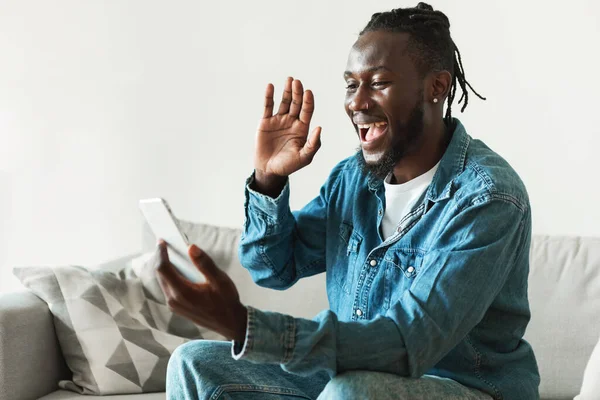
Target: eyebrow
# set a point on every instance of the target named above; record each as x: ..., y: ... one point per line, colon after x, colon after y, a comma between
x: 372, y: 69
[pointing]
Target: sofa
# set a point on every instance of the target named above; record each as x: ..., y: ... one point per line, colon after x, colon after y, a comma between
x: 564, y: 294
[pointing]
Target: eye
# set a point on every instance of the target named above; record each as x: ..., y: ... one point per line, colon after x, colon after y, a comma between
x: 350, y: 86
x: 380, y: 84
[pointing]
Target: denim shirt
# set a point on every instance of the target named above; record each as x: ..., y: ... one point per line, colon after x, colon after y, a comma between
x: 445, y: 295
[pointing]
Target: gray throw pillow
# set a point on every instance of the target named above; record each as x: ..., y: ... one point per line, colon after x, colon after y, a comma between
x: 114, y: 330
x: 590, y: 388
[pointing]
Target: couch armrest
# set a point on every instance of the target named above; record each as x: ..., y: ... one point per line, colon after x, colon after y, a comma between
x: 31, y: 363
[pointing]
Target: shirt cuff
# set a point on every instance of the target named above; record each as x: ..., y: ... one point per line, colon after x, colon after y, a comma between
x: 266, y: 205
x: 270, y: 338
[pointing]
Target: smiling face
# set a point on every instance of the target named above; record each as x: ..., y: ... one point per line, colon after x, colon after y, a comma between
x: 384, y: 99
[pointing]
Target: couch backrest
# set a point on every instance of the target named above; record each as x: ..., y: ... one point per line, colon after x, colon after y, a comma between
x: 564, y: 295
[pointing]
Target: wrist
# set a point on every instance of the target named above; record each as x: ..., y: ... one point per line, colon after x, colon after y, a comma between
x: 268, y: 184
x: 238, y: 333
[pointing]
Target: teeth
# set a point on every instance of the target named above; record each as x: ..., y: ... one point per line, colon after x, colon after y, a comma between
x: 367, y: 126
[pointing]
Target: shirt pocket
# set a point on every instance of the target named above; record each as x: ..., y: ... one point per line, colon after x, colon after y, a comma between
x: 347, y: 257
x: 401, y: 269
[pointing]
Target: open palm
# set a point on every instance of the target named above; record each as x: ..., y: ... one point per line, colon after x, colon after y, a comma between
x: 283, y: 145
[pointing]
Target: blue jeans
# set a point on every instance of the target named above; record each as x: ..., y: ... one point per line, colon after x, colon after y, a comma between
x: 205, y: 370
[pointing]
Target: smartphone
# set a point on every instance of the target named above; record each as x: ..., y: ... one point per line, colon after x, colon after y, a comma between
x: 164, y: 225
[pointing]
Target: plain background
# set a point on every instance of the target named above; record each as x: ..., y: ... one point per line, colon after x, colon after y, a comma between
x: 106, y: 102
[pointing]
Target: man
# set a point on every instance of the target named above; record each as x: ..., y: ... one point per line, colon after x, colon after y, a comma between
x: 423, y: 235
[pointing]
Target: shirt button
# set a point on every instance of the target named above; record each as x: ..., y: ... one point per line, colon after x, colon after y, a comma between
x: 410, y: 269
x: 373, y: 263
x: 380, y: 212
x: 359, y: 312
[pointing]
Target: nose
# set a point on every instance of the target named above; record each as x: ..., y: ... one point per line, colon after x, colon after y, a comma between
x: 359, y: 100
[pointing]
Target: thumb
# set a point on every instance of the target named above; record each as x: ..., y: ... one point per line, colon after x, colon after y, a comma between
x: 312, y: 145
x: 203, y: 262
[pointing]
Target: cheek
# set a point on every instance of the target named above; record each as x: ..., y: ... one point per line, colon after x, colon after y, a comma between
x: 400, y: 110
x: 399, y: 100
x: 347, y: 101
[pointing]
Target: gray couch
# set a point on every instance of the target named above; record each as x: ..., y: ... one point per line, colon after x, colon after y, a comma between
x: 564, y: 292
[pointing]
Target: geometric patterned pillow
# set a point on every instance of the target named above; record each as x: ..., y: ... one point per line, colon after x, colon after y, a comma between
x: 114, y: 330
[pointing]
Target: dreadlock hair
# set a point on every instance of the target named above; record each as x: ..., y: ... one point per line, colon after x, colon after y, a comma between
x: 430, y: 44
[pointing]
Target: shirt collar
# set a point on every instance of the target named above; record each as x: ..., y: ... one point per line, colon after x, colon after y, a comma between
x: 452, y: 165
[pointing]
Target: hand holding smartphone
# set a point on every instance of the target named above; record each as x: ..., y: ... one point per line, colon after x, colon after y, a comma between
x: 164, y: 225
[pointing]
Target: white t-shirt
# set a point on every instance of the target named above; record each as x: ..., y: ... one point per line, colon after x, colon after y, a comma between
x: 401, y: 198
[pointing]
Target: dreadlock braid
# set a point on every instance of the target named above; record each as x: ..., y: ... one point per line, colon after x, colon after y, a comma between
x: 430, y: 43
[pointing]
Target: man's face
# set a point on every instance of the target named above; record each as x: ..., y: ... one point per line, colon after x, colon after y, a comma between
x: 384, y: 99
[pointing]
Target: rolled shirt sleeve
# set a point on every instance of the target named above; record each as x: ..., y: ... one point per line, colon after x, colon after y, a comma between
x: 279, y: 247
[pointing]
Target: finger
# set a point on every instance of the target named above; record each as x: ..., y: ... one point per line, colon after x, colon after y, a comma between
x: 312, y: 145
x: 269, y: 103
x: 297, y: 93
x: 190, y: 304
x: 171, y: 278
x: 167, y: 271
x: 165, y: 286
x: 286, y: 98
x: 196, y: 316
x: 163, y: 254
x: 308, y: 107
x: 204, y: 263
x: 175, y: 287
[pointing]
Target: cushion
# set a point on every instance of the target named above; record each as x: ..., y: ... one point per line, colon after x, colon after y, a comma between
x: 591, y: 377
x: 564, y: 296
x: 114, y: 331
x: 65, y: 395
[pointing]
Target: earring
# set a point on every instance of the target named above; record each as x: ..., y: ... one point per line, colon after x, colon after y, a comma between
x: 435, y: 100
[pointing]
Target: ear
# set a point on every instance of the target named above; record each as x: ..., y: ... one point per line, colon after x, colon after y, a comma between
x: 439, y: 87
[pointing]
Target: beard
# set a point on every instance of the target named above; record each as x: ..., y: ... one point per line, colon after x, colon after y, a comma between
x: 407, y: 137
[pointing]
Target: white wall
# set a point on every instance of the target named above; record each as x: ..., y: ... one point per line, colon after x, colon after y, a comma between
x: 105, y: 102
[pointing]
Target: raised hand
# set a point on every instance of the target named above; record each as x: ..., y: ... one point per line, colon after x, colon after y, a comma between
x: 283, y: 145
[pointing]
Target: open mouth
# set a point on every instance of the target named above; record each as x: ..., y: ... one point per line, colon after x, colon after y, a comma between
x: 371, y: 132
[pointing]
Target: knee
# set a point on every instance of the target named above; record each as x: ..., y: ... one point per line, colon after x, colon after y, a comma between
x: 189, y: 358
x: 345, y: 386
x: 181, y: 361
x: 194, y: 366
x: 181, y: 356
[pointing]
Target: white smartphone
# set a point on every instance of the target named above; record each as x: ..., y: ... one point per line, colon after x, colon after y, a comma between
x: 164, y: 225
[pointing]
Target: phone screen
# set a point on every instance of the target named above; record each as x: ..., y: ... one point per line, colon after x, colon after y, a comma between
x: 164, y: 225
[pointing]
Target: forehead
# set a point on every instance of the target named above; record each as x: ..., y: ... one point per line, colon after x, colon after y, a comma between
x: 380, y: 48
